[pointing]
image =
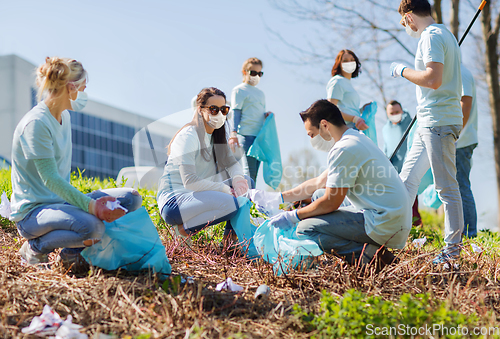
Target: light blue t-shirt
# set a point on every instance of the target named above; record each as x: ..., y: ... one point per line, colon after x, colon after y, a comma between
x: 355, y: 162
x: 252, y: 103
x: 392, y: 136
x: 38, y: 136
x: 341, y: 89
x: 468, y: 136
x: 439, y: 107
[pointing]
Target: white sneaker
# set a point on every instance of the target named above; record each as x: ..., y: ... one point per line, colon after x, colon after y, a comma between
x: 31, y: 257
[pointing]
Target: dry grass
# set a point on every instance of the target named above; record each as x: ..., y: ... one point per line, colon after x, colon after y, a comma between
x: 127, y: 304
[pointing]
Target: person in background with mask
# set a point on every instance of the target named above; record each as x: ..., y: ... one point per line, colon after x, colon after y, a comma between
x: 379, y: 213
x: 190, y: 197
x: 397, y: 123
x: 340, y: 92
x: 465, y: 147
x: 47, y: 209
x: 439, y: 89
x: 248, y: 107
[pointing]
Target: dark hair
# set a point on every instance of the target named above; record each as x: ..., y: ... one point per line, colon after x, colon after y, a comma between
x: 417, y: 7
x: 394, y: 102
x: 323, y: 109
x: 337, y: 66
x: 221, y: 153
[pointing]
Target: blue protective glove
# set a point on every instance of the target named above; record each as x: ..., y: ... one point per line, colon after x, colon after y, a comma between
x: 285, y: 220
x: 397, y: 69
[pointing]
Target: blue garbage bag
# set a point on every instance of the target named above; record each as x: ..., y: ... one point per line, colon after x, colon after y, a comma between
x: 132, y: 243
x: 282, y: 248
x: 430, y: 198
x: 244, y: 228
x: 368, y: 116
x: 266, y: 148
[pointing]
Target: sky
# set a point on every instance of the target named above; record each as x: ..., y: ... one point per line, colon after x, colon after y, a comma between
x: 152, y: 57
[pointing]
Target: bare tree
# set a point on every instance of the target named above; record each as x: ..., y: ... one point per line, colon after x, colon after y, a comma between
x: 491, y: 29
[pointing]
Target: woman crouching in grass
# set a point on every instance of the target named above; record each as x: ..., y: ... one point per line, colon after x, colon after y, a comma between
x: 47, y: 209
x: 191, y: 194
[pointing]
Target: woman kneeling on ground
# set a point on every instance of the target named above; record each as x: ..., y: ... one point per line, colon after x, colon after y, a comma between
x: 191, y: 194
x: 49, y: 212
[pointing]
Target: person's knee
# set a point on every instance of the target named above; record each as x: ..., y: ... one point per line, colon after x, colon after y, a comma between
x: 304, y: 229
x: 93, y: 232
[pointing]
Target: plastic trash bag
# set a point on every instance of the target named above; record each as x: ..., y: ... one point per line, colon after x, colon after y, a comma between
x: 368, y: 116
x: 430, y: 198
x: 132, y: 243
x: 266, y: 148
x: 5, y: 206
x: 282, y: 248
x: 244, y: 228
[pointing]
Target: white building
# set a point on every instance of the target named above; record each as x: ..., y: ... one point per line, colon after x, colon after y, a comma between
x: 102, y: 135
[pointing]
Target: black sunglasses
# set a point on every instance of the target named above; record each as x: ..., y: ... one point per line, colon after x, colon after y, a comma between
x: 254, y: 73
x: 215, y: 109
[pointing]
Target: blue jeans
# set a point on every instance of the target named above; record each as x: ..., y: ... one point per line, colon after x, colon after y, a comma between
x: 197, y: 210
x: 342, y: 231
x: 464, y: 164
x: 253, y: 164
x: 48, y: 227
x: 434, y: 147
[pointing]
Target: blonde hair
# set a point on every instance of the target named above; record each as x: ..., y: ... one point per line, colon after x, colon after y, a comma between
x: 248, y: 63
x: 56, y: 73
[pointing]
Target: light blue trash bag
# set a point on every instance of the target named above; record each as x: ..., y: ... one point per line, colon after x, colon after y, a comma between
x: 132, y: 243
x: 244, y: 229
x: 282, y: 248
x: 266, y: 148
x: 368, y: 116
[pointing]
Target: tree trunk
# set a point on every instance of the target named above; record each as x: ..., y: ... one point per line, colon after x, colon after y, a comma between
x: 490, y: 36
x: 437, y: 14
x: 454, y: 20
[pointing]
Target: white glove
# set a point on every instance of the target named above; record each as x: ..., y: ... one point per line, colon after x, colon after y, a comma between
x: 285, y: 220
x: 240, y: 185
x: 397, y: 69
x: 267, y: 203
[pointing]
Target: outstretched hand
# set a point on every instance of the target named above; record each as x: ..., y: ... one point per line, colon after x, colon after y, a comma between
x: 285, y: 220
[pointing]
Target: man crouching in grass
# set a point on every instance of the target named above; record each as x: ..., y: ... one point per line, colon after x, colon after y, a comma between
x: 377, y: 210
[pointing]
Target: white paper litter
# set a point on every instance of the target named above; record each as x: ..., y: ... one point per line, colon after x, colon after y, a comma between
x: 49, y: 323
x: 476, y: 248
x: 228, y: 285
x: 5, y: 206
x: 113, y: 205
x: 419, y: 242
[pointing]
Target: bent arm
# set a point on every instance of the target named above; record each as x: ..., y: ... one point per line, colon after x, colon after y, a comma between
x: 306, y: 189
x: 237, y: 119
x: 329, y: 202
x: 47, y: 169
x: 466, y: 103
x: 432, y: 77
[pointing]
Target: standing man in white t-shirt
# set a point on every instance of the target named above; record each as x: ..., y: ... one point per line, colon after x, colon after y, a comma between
x: 439, y: 89
x: 378, y: 211
x: 465, y: 147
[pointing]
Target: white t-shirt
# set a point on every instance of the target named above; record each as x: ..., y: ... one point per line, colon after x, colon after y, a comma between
x: 252, y: 103
x: 439, y: 107
x: 341, y: 89
x: 185, y: 151
x: 38, y: 136
x: 375, y: 188
x: 468, y: 136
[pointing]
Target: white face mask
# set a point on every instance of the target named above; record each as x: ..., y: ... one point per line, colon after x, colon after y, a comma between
x: 80, y: 102
x: 217, y: 121
x: 319, y: 143
x: 349, y: 67
x: 411, y: 32
x: 253, y: 80
x: 395, y: 118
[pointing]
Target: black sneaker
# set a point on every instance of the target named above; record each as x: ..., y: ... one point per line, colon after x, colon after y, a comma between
x: 71, y: 259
